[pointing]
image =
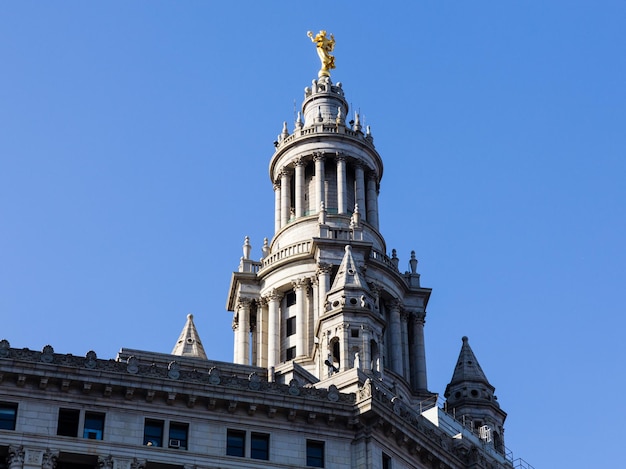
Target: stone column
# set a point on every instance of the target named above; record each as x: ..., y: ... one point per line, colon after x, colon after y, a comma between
x: 344, y: 346
x: 323, y: 274
x: 277, y: 209
x: 404, y: 318
x: 261, y: 333
x: 319, y: 180
x: 359, y: 177
x: 341, y: 184
x: 315, y: 300
x: 285, y: 196
x: 273, y: 329
x: 299, y: 286
x: 300, y: 164
x: 366, y: 358
x: 236, y: 342
x: 243, y: 349
x: 418, y: 352
x: 372, y: 199
x: 395, y: 337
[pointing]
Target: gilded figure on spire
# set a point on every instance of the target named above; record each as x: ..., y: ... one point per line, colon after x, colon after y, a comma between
x: 324, y: 47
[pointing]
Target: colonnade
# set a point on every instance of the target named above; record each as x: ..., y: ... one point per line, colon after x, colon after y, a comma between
x: 259, y: 343
x: 407, y: 358
x: 365, y: 190
x: 24, y: 457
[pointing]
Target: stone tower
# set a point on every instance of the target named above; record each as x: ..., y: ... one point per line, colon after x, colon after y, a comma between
x: 471, y: 399
x: 325, y: 297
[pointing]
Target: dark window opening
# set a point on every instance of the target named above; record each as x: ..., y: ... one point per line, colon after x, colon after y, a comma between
x: 386, y: 461
x: 260, y: 446
x: 153, y: 433
x: 336, y: 353
x: 235, y: 443
x: 290, y: 353
x: 8, y: 415
x: 290, y: 298
x: 94, y: 425
x: 354, y: 332
x: 178, y: 435
x: 291, y: 326
x: 67, y: 424
x: 314, y: 453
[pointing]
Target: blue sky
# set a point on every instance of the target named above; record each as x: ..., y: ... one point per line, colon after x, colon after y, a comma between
x: 135, y: 139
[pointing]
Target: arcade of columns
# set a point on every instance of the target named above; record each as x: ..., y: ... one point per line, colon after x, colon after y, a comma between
x: 257, y: 336
x: 366, y: 197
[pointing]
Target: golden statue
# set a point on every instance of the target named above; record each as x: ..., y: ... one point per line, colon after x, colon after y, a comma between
x: 324, y: 47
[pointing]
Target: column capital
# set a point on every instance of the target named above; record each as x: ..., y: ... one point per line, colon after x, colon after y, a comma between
x: 244, y: 302
x: 395, y: 304
x: 299, y: 161
x: 105, y: 462
x: 15, y: 456
x: 324, y: 268
x: 274, y: 295
x: 300, y: 283
x: 276, y: 186
x: 419, y: 317
x: 49, y: 459
x: 285, y: 172
x: 262, y: 301
x: 318, y: 156
x: 340, y: 157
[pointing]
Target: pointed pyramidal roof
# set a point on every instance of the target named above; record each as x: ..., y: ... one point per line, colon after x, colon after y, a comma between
x: 348, y: 274
x: 467, y: 367
x: 189, y: 343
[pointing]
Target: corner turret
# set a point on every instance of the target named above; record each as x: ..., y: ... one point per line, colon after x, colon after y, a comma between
x: 470, y: 397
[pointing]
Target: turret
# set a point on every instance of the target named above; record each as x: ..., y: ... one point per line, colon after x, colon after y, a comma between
x: 471, y: 399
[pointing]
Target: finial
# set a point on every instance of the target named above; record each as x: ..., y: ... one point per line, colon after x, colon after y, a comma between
x: 322, y: 214
x: 299, y: 123
x: 285, y: 132
x: 339, y: 116
x: 368, y: 131
x: 265, y: 248
x: 413, y: 263
x: 324, y: 47
x: 357, y: 122
x: 394, y: 258
x: 246, y: 248
x: 464, y: 339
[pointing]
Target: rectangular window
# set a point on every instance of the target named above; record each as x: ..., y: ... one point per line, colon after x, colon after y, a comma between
x: 314, y: 453
x: 260, y: 446
x: 68, y: 422
x: 290, y: 298
x: 386, y: 461
x: 153, y: 433
x: 178, y: 435
x: 354, y: 332
x: 291, y: 326
x: 8, y: 415
x: 290, y: 353
x: 94, y: 425
x: 236, y: 443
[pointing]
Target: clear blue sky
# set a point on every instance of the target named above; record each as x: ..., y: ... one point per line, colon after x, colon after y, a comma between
x: 134, y: 147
